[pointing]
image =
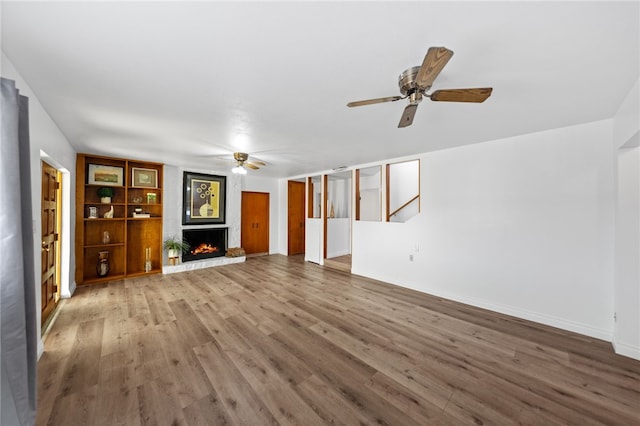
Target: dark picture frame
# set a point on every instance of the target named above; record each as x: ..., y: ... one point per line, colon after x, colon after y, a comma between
x: 204, y: 198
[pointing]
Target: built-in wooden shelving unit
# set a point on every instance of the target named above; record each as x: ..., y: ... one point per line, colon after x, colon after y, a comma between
x: 129, y: 236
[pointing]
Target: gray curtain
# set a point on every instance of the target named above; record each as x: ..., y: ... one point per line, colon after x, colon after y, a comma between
x: 18, y: 328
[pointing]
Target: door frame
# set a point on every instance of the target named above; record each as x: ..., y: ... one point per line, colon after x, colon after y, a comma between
x: 67, y: 284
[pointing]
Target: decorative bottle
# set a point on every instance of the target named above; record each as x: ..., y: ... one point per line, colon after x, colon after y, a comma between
x: 147, y: 259
x: 102, y: 267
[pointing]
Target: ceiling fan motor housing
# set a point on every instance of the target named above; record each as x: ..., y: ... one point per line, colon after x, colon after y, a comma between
x: 407, y: 81
x: 408, y: 86
x: 240, y: 156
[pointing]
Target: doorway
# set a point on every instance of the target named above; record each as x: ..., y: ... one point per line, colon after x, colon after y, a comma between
x: 295, y: 217
x: 50, y: 251
x: 337, y: 229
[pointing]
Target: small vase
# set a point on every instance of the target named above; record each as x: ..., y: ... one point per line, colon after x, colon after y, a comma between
x: 102, y: 267
x: 105, y: 200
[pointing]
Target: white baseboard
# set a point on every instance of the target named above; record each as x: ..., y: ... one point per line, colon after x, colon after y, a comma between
x: 545, y: 319
x: 626, y: 350
x: 72, y: 289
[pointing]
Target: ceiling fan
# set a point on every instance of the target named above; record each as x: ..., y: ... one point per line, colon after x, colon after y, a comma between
x: 242, y: 164
x: 416, y: 81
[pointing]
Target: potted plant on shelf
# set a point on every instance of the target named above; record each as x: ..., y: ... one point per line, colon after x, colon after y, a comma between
x: 105, y: 194
x: 174, y: 246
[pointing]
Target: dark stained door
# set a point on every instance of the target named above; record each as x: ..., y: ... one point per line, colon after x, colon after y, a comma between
x: 296, y: 218
x: 50, y: 240
x: 254, y: 226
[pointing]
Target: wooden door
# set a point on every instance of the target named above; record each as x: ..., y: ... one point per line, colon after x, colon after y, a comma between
x: 254, y: 225
x: 296, y: 218
x: 50, y: 240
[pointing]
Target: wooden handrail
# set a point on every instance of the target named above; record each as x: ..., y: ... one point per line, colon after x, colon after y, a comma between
x: 403, y: 206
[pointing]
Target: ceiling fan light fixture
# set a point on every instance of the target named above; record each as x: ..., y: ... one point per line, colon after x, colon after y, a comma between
x: 239, y: 170
x: 415, y: 98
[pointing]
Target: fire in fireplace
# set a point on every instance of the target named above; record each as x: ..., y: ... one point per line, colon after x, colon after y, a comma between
x: 204, y: 243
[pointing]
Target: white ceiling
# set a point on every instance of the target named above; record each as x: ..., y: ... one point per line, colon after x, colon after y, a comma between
x: 178, y: 82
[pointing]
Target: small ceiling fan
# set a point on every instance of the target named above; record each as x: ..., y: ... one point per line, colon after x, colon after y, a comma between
x: 242, y: 163
x: 416, y: 81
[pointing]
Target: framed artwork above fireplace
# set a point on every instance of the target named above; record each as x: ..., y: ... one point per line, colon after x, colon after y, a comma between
x: 203, y: 198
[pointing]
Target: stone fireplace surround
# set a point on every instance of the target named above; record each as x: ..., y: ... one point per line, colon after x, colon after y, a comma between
x: 172, y: 216
x: 215, y: 242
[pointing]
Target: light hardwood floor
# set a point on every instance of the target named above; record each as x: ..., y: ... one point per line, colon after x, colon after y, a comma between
x: 341, y: 263
x: 276, y: 340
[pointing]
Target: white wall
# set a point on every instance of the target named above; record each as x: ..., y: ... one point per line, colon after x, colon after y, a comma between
x: 522, y: 226
x: 48, y: 142
x: 626, y: 133
x: 313, y: 241
x: 338, y: 237
x: 371, y: 196
x: 627, y: 277
x: 627, y: 118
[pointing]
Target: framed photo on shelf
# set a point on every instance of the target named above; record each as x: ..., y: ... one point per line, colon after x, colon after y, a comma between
x: 203, y: 198
x: 105, y: 175
x: 144, y: 178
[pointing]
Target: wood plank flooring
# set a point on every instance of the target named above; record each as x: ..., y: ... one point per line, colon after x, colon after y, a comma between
x: 341, y: 263
x: 276, y: 340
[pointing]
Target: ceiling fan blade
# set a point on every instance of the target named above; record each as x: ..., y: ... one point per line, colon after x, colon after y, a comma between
x: 251, y: 166
x: 433, y: 63
x: 258, y: 163
x: 374, y: 101
x: 407, y: 115
x: 462, y: 95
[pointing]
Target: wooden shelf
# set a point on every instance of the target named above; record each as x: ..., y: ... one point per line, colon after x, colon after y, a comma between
x: 110, y: 277
x: 129, y: 236
x: 142, y: 273
x: 104, y: 245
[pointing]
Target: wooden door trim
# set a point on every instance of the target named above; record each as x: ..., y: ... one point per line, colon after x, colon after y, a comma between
x: 324, y: 213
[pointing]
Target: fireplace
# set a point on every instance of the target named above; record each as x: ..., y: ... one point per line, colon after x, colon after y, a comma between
x: 204, y: 243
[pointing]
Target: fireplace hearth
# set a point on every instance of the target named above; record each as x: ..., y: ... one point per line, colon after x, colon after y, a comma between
x: 205, y: 243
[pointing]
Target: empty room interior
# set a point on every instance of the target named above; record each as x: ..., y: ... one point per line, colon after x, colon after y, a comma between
x: 248, y: 213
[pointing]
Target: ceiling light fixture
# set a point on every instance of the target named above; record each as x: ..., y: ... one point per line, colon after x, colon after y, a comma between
x: 239, y: 170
